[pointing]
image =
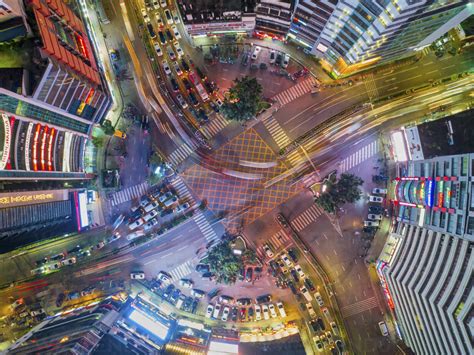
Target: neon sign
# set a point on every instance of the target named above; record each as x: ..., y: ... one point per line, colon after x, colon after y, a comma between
x: 441, y: 194
x: 429, y: 193
x: 6, y: 141
x: 27, y: 146
x: 50, y: 149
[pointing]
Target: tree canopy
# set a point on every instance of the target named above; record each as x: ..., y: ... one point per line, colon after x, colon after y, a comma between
x: 107, y: 127
x: 223, y: 263
x: 244, y: 99
x: 339, y: 192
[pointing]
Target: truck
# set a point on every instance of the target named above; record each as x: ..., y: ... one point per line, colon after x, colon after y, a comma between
x: 199, y: 88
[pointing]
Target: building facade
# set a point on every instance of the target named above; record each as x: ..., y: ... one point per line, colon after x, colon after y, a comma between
x: 10, y: 9
x: 206, y: 17
x: 273, y: 17
x: 427, y: 278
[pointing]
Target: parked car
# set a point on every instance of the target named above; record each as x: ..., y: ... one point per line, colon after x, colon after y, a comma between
x: 306, y: 294
x: 265, y: 312
x: 217, y: 309
x: 171, y: 53
x: 309, y: 284
x: 209, y: 310
x: 249, y: 275
x: 162, y: 37
x: 197, y: 293
x: 164, y: 277
x: 286, y: 61
x: 319, y: 299
x: 281, y: 309
x: 176, y: 33
x: 74, y: 250
x: 168, y: 16
x: 292, y: 254
x: 256, y: 52
x: 202, y: 268
x: 374, y: 217
x: 272, y: 56
x: 244, y: 301
x: 166, y: 67
x: 371, y: 223
x: 169, y: 35
x: 185, y: 65
x: 258, y: 312
x: 178, y: 69
x: 295, y: 275
x: 264, y: 299
x: 300, y: 271
x: 318, y: 343
x: 193, y: 99
x: 174, y: 85
x: 268, y: 251
x: 69, y: 261
x: 380, y: 191
x: 181, y: 101
x: 311, y: 311
x: 178, y: 48
x: 377, y: 199
x: 225, y: 313
x: 375, y: 209
x: 186, y: 283
x: 287, y: 261
x: 279, y: 59
x: 137, y: 275
x: 271, y: 308
x: 226, y: 299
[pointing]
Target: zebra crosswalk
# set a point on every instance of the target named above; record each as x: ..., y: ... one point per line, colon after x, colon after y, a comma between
x: 358, y: 157
x: 181, y: 271
x: 182, y: 190
x: 277, y: 133
x: 294, y: 157
x: 205, y: 227
x: 217, y: 124
x: 307, y: 217
x: 277, y: 241
x: 359, y: 307
x: 370, y: 86
x: 128, y: 194
x: 180, y: 154
x: 295, y: 91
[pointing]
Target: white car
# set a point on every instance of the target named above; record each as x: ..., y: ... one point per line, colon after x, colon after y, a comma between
x: 258, y: 312
x: 311, y: 311
x: 377, y: 199
x: 281, y: 309
x: 272, y: 56
x: 169, y: 17
x: 176, y: 18
x: 374, y: 217
x: 171, y: 53
x: 179, y: 51
x: 209, y: 310
x: 186, y: 283
x: 271, y: 308
x: 163, y: 277
x: 319, y: 343
x: 326, y: 312
x: 266, y: 315
x: 136, y: 224
x: 181, y: 208
x: 178, y: 69
x: 319, y: 299
x: 158, y: 50
x: 306, y: 294
x: 379, y: 191
x: 286, y: 260
x: 163, y: 3
x: 268, y: 251
x: 225, y: 313
x: 256, y: 52
x: 69, y: 261
x: 181, y: 101
x: 156, y: 4
x: 371, y: 223
x: 137, y: 275
x: 219, y: 102
x: 300, y: 271
x: 286, y: 61
x: 55, y: 266
x: 166, y: 67
x: 37, y: 312
x: 176, y: 32
x: 197, y: 293
x: 145, y: 16
x: 217, y: 309
x: 150, y: 215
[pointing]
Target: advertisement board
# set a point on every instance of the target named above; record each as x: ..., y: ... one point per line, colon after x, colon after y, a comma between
x: 14, y: 199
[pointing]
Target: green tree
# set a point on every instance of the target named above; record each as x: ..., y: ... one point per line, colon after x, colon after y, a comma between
x: 223, y: 263
x: 249, y: 256
x: 155, y: 159
x: 98, y: 142
x: 339, y: 192
x: 244, y: 99
x: 107, y: 127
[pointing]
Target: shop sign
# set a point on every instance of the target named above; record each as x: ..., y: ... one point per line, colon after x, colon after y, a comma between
x: 6, y: 142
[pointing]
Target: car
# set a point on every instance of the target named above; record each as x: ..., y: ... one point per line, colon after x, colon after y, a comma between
x: 37, y: 312
x: 217, y: 309
x: 249, y: 274
x: 266, y: 314
x: 202, y: 268
x: 371, y: 223
x: 181, y: 208
x: 169, y: 17
x: 208, y: 276
x: 137, y: 275
x: 310, y: 310
x: 309, y: 284
x: 169, y: 35
x: 176, y: 17
x: 292, y: 255
x: 186, y: 283
x: 292, y: 287
x: 321, y: 323
x: 380, y: 191
x: 281, y: 309
x: 272, y: 56
x: 55, y: 266
x: 151, y: 30
x: 306, y: 294
x: 245, y: 59
x: 187, y: 84
x: 225, y: 313
x: 250, y: 313
x: 329, y: 337
x: 256, y: 52
x: 59, y: 256
x: 264, y: 299
x: 171, y: 53
x: 163, y: 3
x: 272, y: 310
x: 295, y: 275
x: 185, y: 65
x: 164, y: 277
x: 209, y: 310
x: 151, y: 206
x: 68, y: 261
x: 179, y: 51
x: 286, y: 260
x: 174, y: 85
x: 258, y: 313
x: 318, y: 343
x: 374, y: 217
x: 193, y: 99
x: 175, y: 295
x: 326, y: 312
x: 244, y: 301
x: 376, y: 199
x: 162, y: 37
x: 168, y: 290
x: 159, y: 21
x: 178, y: 69
x: 41, y: 261
x: 226, y: 299
x: 197, y: 293
x: 202, y: 115
x: 268, y: 251
x: 219, y: 102
x: 279, y: 59
x: 176, y: 33
x: 234, y: 314
x: 339, y: 345
x: 300, y: 271
x: 334, y: 327
x: 145, y: 16
x: 156, y: 4
x: 166, y: 67
x: 243, y: 314
x: 319, y: 299
x: 286, y: 61
x: 375, y: 209
x: 181, y: 101
x: 150, y: 215
x: 74, y: 250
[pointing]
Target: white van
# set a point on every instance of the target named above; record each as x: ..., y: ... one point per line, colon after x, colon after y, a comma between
x: 383, y: 329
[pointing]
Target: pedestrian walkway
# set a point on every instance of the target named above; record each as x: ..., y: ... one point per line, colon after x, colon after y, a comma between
x: 303, y: 87
x: 181, y: 271
x: 128, y: 194
x: 183, y: 191
x: 205, y: 227
x: 358, y: 157
x: 370, y: 86
x: 180, y: 154
x: 307, y: 217
x: 294, y: 157
x: 216, y: 124
x: 277, y: 241
x: 359, y: 307
x: 277, y: 132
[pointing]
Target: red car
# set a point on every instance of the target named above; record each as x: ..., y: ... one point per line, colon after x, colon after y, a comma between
x: 242, y: 315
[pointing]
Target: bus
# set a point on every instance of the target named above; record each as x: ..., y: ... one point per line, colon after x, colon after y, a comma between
x: 199, y: 88
x: 101, y: 13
